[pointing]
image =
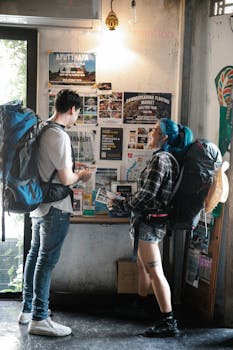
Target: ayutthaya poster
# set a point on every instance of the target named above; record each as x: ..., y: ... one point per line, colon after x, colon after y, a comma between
x: 145, y: 108
x: 72, y: 68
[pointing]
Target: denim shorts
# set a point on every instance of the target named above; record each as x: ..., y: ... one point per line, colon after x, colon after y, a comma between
x: 150, y: 234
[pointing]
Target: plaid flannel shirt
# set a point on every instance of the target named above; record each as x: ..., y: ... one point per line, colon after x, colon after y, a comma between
x: 156, y: 183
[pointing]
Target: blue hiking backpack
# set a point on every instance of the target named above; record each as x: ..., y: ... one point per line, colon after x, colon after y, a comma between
x: 22, y: 188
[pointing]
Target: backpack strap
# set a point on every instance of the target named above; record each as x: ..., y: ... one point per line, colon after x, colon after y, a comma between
x: 48, y: 125
x: 51, y: 124
x: 173, y: 158
x: 179, y: 175
x: 3, y: 207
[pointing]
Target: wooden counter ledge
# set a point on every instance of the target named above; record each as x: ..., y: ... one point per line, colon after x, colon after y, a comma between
x: 97, y: 219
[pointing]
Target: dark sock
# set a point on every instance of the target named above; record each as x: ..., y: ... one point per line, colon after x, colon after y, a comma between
x: 167, y: 315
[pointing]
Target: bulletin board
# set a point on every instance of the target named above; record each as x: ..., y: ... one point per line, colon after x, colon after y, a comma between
x: 111, y: 132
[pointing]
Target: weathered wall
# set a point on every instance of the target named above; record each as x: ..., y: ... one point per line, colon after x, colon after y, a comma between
x: 212, y: 50
x: 139, y: 57
x: 136, y: 57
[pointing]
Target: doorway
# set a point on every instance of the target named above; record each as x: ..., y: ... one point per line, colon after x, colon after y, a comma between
x: 18, y: 67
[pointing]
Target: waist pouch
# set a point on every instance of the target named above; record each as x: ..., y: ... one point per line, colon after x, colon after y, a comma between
x: 155, y: 219
x: 54, y: 192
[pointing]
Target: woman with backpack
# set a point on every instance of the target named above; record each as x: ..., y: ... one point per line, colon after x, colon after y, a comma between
x: 156, y: 183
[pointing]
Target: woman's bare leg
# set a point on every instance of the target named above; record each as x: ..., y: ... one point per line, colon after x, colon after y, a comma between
x: 151, y: 258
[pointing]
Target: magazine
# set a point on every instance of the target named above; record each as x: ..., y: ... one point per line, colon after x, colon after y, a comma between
x: 104, y: 196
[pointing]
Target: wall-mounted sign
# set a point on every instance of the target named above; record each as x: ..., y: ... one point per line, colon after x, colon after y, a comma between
x: 111, y: 143
x: 71, y: 68
x: 145, y: 108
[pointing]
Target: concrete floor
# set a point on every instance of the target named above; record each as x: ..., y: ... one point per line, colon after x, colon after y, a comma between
x: 105, y: 331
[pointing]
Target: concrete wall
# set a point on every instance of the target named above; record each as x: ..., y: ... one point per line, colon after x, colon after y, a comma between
x: 88, y: 258
x: 212, y: 50
x: 145, y: 57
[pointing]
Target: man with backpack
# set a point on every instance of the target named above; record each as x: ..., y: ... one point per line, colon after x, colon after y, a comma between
x: 50, y: 221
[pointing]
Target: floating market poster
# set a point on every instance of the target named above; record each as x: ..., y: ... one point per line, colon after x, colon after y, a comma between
x: 72, y: 68
x: 146, y: 108
x: 111, y: 107
x: 111, y: 143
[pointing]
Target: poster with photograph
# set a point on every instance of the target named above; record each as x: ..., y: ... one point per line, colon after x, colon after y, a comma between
x: 88, y: 112
x: 82, y: 143
x: 110, y: 107
x: 72, y: 68
x: 135, y: 163
x: 111, y: 143
x: 137, y: 138
x: 192, y: 268
x: 145, y: 108
x: 104, y: 177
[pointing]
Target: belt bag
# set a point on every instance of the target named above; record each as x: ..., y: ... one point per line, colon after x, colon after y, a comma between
x: 155, y: 219
x: 54, y: 192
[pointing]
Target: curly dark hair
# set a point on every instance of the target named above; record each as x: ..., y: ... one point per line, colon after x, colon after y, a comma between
x: 66, y: 99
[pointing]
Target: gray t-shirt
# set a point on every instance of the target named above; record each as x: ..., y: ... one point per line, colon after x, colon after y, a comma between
x: 54, y: 153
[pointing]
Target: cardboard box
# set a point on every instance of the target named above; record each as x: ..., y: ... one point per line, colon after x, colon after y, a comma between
x: 127, y: 277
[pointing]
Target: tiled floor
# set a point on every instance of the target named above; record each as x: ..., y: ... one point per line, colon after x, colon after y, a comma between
x: 100, y: 331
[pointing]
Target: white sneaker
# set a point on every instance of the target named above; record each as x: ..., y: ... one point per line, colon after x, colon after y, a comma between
x: 26, y: 317
x: 49, y: 328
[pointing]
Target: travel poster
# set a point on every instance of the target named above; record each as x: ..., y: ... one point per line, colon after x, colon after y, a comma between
x: 146, y: 107
x: 111, y: 143
x: 71, y: 68
x: 110, y: 107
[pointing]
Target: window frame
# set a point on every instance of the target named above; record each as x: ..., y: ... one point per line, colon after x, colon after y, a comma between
x: 31, y: 36
x: 221, y: 7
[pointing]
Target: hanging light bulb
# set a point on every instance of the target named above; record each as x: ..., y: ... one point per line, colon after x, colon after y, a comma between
x: 112, y: 20
x: 133, y: 12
